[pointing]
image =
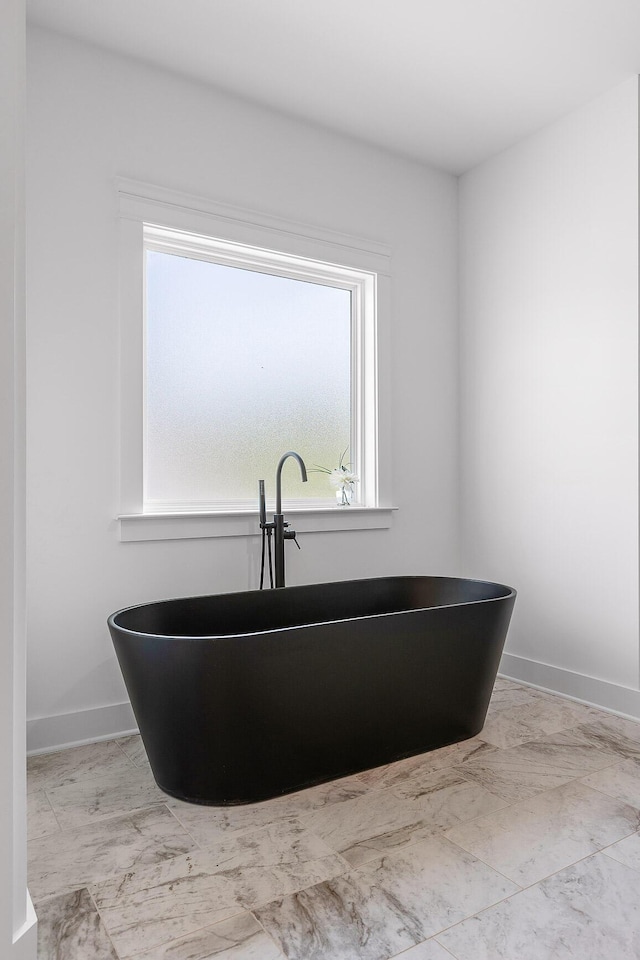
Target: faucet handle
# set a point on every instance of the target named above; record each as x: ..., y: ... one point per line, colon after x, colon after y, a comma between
x: 291, y: 535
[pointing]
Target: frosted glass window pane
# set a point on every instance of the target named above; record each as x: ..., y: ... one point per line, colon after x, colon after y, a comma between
x: 240, y: 367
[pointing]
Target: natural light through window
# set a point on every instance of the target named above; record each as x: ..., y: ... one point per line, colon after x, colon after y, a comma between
x: 241, y: 366
x: 248, y: 354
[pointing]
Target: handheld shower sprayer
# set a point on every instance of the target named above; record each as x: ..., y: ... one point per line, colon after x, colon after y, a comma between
x: 263, y: 504
x: 267, y: 529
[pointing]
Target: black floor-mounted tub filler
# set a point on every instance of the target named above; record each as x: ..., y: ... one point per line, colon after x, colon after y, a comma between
x: 242, y: 697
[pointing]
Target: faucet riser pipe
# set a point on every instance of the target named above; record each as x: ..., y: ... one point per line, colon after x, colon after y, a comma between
x: 278, y: 519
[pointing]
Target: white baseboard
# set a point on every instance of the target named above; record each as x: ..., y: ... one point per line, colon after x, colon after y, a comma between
x: 46, y: 734
x: 597, y: 693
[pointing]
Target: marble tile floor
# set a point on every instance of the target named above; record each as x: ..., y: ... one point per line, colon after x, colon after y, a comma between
x: 520, y: 844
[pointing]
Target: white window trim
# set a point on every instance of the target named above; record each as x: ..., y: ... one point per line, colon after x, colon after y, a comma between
x: 140, y: 204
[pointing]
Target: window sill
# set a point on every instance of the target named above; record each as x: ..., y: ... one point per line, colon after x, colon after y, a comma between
x: 245, y: 523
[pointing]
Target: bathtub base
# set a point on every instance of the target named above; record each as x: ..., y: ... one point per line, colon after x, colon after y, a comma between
x: 260, y: 792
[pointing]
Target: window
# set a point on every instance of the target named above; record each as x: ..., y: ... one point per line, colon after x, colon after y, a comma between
x: 234, y: 352
x: 247, y: 355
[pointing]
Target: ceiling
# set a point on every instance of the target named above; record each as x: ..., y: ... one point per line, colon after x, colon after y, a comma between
x: 447, y: 83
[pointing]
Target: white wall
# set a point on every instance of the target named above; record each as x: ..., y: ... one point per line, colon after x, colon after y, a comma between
x: 17, y: 919
x: 91, y: 117
x: 549, y: 395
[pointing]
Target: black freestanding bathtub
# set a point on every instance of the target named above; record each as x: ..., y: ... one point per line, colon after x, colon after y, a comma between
x: 245, y: 696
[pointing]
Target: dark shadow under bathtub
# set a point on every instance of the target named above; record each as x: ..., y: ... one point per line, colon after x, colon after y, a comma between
x: 245, y: 696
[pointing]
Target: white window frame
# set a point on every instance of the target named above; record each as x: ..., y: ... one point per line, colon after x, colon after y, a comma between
x: 156, y: 218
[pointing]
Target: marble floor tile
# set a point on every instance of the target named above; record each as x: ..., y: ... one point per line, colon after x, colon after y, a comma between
x: 88, y: 801
x: 426, y: 763
x: 529, y: 721
x: 510, y: 695
x: 360, y: 867
x: 449, y: 796
x: 152, y: 906
x: 41, y: 820
x: 212, y: 824
x: 366, y: 827
x: 589, y: 911
x: 134, y: 749
x: 274, y: 861
x: 76, y: 764
x: 69, y: 860
x: 531, y: 768
x: 621, y: 781
x: 614, y: 733
x: 146, y: 908
x: 537, y: 837
x: 427, y: 950
x: 626, y: 851
x: 70, y: 928
x: 385, y: 906
x: 240, y: 938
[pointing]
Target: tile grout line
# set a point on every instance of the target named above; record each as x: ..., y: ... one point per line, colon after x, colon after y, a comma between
x: 104, y: 926
x: 231, y: 834
x: 183, y: 936
x: 301, y: 816
x: 179, y: 821
x: 55, y: 815
x: 441, y: 832
x: 511, y: 896
x: 615, y: 859
x: 117, y: 740
x: 106, y: 818
x: 281, y: 953
x: 404, y: 953
x: 554, y: 873
x: 528, y: 886
x: 610, y: 796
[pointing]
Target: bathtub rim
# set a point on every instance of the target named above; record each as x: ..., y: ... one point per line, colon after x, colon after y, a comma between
x: 510, y: 592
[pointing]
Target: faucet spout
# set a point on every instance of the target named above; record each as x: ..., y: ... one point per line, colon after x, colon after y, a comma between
x: 280, y: 534
x: 303, y: 474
